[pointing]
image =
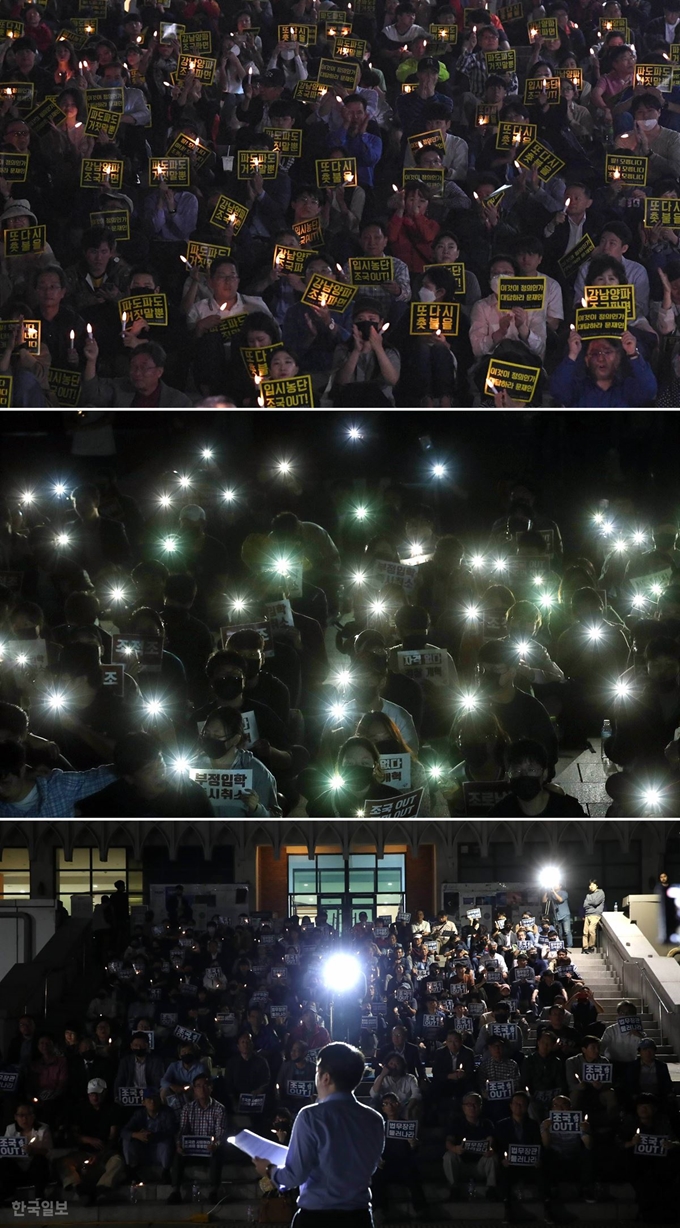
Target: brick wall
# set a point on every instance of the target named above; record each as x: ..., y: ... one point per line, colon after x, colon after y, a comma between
x: 421, y: 880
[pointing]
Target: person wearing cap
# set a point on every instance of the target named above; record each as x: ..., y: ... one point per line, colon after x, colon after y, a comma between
x: 649, y: 1074
x: 95, y: 1168
x: 254, y: 111
x: 412, y: 108
x: 148, y: 1136
x: 19, y: 270
x: 25, y: 67
x: 33, y: 1169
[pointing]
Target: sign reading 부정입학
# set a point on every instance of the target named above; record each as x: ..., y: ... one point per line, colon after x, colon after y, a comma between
x: 526, y: 292
x: 438, y: 318
x: 294, y: 391
x: 518, y: 380
x: 219, y: 785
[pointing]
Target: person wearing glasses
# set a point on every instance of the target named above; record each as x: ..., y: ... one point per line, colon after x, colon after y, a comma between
x: 609, y: 373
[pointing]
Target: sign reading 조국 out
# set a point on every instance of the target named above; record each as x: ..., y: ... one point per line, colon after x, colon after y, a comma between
x: 295, y: 391
x: 403, y: 807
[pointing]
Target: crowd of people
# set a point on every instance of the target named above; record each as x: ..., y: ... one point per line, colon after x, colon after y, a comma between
x: 286, y: 203
x: 489, y: 1038
x: 172, y: 655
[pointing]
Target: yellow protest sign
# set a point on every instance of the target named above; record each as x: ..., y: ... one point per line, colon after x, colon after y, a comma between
x: 438, y: 318
x: 325, y: 292
x: 293, y: 392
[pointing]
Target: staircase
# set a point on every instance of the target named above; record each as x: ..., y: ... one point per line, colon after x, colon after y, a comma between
x: 242, y: 1200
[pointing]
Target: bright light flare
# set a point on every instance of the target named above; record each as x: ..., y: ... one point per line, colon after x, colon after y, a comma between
x: 500, y: 565
x: 469, y: 702
x: 652, y: 797
x: 361, y: 513
x: 622, y: 688
x: 341, y: 973
x: 207, y: 454
x: 436, y: 771
x: 169, y: 544
x: 377, y: 607
x: 354, y: 433
x: 620, y: 545
x: 539, y: 581
x: 415, y: 548
x: 358, y: 577
x: 549, y: 877
x: 28, y: 497
x: 338, y: 711
x: 284, y: 467
x: 238, y: 605
x: 547, y: 601
x: 228, y: 496
x: 638, y: 537
x: 439, y: 471
x: 62, y: 539
x: 477, y: 561
x: 165, y: 500
x: 153, y: 707
x: 336, y: 781
x: 639, y: 602
x: 594, y: 633
x: 598, y: 517
x: 523, y: 647
x: 180, y: 764
x: 472, y: 611
x: 118, y: 594
x: 656, y: 589
x: 607, y: 528
x: 56, y: 701
x: 184, y: 481
x: 343, y: 677
x: 59, y: 489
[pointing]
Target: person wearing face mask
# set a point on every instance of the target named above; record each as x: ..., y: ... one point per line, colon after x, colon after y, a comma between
x: 370, y: 646
x: 139, y: 1067
x: 144, y: 788
x: 383, y: 733
x: 485, y: 619
x: 489, y: 326
x: 261, y: 683
x: 226, y: 673
x: 519, y: 714
x: 169, y: 684
x: 528, y: 770
x: 364, y: 694
x: 476, y: 752
x: 88, y: 721
x: 221, y: 748
x: 412, y: 624
x: 358, y: 767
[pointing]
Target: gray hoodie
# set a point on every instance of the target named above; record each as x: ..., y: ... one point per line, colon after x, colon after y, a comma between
x: 594, y: 903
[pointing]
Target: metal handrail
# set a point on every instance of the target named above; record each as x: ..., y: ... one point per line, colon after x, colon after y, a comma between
x: 643, y: 974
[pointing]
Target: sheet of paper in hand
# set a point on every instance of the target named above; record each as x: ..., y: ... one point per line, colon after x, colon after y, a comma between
x: 256, y: 1147
x: 526, y: 292
x: 396, y: 771
x: 425, y: 665
x: 630, y: 1023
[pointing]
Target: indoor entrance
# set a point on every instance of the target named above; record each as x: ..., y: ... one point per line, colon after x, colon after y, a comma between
x: 345, y: 887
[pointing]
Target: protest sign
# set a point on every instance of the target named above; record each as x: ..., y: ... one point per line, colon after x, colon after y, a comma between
x: 14, y: 166
x: 9, y: 1080
x: 302, y: 1088
x: 403, y: 807
x: 294, y: 32
x: 370, y: 270
x: 323, y: 291
x: 21, y: 93
x: 257, y: 358
x: 628, y: 1024
x: 148, y: 652
x: 596, y: 323
x: 575, y: 75
x: 41, y: 119
x: 129, y: 1096
x: 486, y: 114
x: 480, y: 796
x: 663, y: 210
x: 518, y: 380
x: 526, y: 292
x: 524, y: 1154
x: 394, y: 573
x: 117, y: 220
x: 545, y: 26
x: 309, y: 91
x: 535, y: 86
x: 432, y: 176
x: 536, y: 155
x: 501, y: 61
x: 626, y: 168
x: 25, y: 241
x: 309, y: 231
x: 611, y: 297
x: 201, y: 255
x: 439, y: 318
x: 456, y: 269
x: 105, y: 98
x: 173, y: 172
x: 279, y: 613
x: 346, y: 47
x: 196, y: 42
x: 396, y: 771
x: 427, y: 140
x: 263, y: 162
x: 336, y: 172
x: 425, y: 665
x: 98, y: 173
x: 185, y: 146
x: 499, y: 1089
x: 249, y: 1103
x: 202, y: 67
x: 565, y: 1122
x: 295, y: 391
x: 512, y: 132
x: 597, y: 1072
x: 228, y: 212
x: 444, y: 33
x: 404, y: 1130
x: 187, y: 1034
x: 222, y: 785
x: 287, y: 141
x: 196, y: 1144
x: 12, y: 1148
x: 290, y: 259
x: 654, y: 1145
x: 335, y: 72
x: 99, y: 120
x: 571, y: 263
x: 150, y: 307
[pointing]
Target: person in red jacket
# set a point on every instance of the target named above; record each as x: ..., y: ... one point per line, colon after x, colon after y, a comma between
x: 311, y: 1030
x: 410, y: 231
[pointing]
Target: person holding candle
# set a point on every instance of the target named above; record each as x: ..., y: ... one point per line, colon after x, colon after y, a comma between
x: 63, y: 329
x: 615, y: 241
x: 143, y: 387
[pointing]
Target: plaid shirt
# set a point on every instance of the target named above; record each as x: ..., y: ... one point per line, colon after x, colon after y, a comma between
x: 59, y: 792
x: 208, y: 1121
x: 491, y: 1071
x: 473, y: 64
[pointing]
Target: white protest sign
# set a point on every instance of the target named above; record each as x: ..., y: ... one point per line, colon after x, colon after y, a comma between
x: 300, y: 1087
x: 280, y: 613
x: 651, y: 1145
x: 250, y: 730
x: 404, y: 1130
x: 630, y: 1023
x: 524, y: 1154
x: 12, y: 1148
x: 425, y: 665
x: 394, y: 573
x: 396, y: 771
x: 196, y: 1144
x: 597, y: 1072
x: 221, y: 785
x: 473, y: 914
x: 463, y: 1023
x: 565, y: 1122
x: 128, y: 1096
x: 499, y: 1089
x: 249, y: 1103
x: 475, y: 1146
x: 524, y: 974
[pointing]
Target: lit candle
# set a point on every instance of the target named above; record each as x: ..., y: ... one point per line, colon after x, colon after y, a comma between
x: 575, y: 80
x: 192, y: 65
x: 124, y: 323
x: 545, y: 83
x: 72, y: 335
x: 89, y: 332
x: 533, y: 32
x: 567, y: 202
x: 348, y: 177
x: 89, y: 29
x: 516, y: 137
x: 323, y: 300
x: 616, y: 173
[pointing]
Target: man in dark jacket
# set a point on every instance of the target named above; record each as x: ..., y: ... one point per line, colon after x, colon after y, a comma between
x: 411, y: 1053
x: 144, y: 789
x: 453, y: 1068
x: 139, y: 1067
x: 648, y: 1074
x: 517, y: 1129
x: 149, y: 1136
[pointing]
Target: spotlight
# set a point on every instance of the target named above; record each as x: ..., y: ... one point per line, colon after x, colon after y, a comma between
x: 341, y: 973
x: 165, y: 500
x: 343, y: 677
x: 207, y: 454
x: 549, y: 877
x: 438, y: 471
x: 377, y: 607
x: 638, y: 537
x: 358, y: 577
x: 154, y: 707
x: 607, y: 528
x: 59, y: 489
x: 472, y: 611
x: 598, y: 517
x: 284, y: 467
x: 639, y: 601
x: 361, y: 513
x: 184, y: 481
x: 595, y: 633
x: 118, y: 594
x: 28, y: 497
x: 354, y: 433
x: 180, y: 764
x: 169, y: 544
x: 228, y: 496
x: 477, y: 561
x: 336, y: 781
x: 62, y: 539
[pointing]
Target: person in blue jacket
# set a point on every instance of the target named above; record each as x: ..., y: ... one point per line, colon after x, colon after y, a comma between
x: 612, y: 374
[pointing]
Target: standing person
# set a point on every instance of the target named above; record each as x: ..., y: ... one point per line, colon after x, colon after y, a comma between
x: 334, y: 1149
x: 120, y: 914
x: 557, y: 901
x: 593, y: 907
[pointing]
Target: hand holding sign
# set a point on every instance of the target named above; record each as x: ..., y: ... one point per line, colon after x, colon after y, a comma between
x: 575, y: 344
